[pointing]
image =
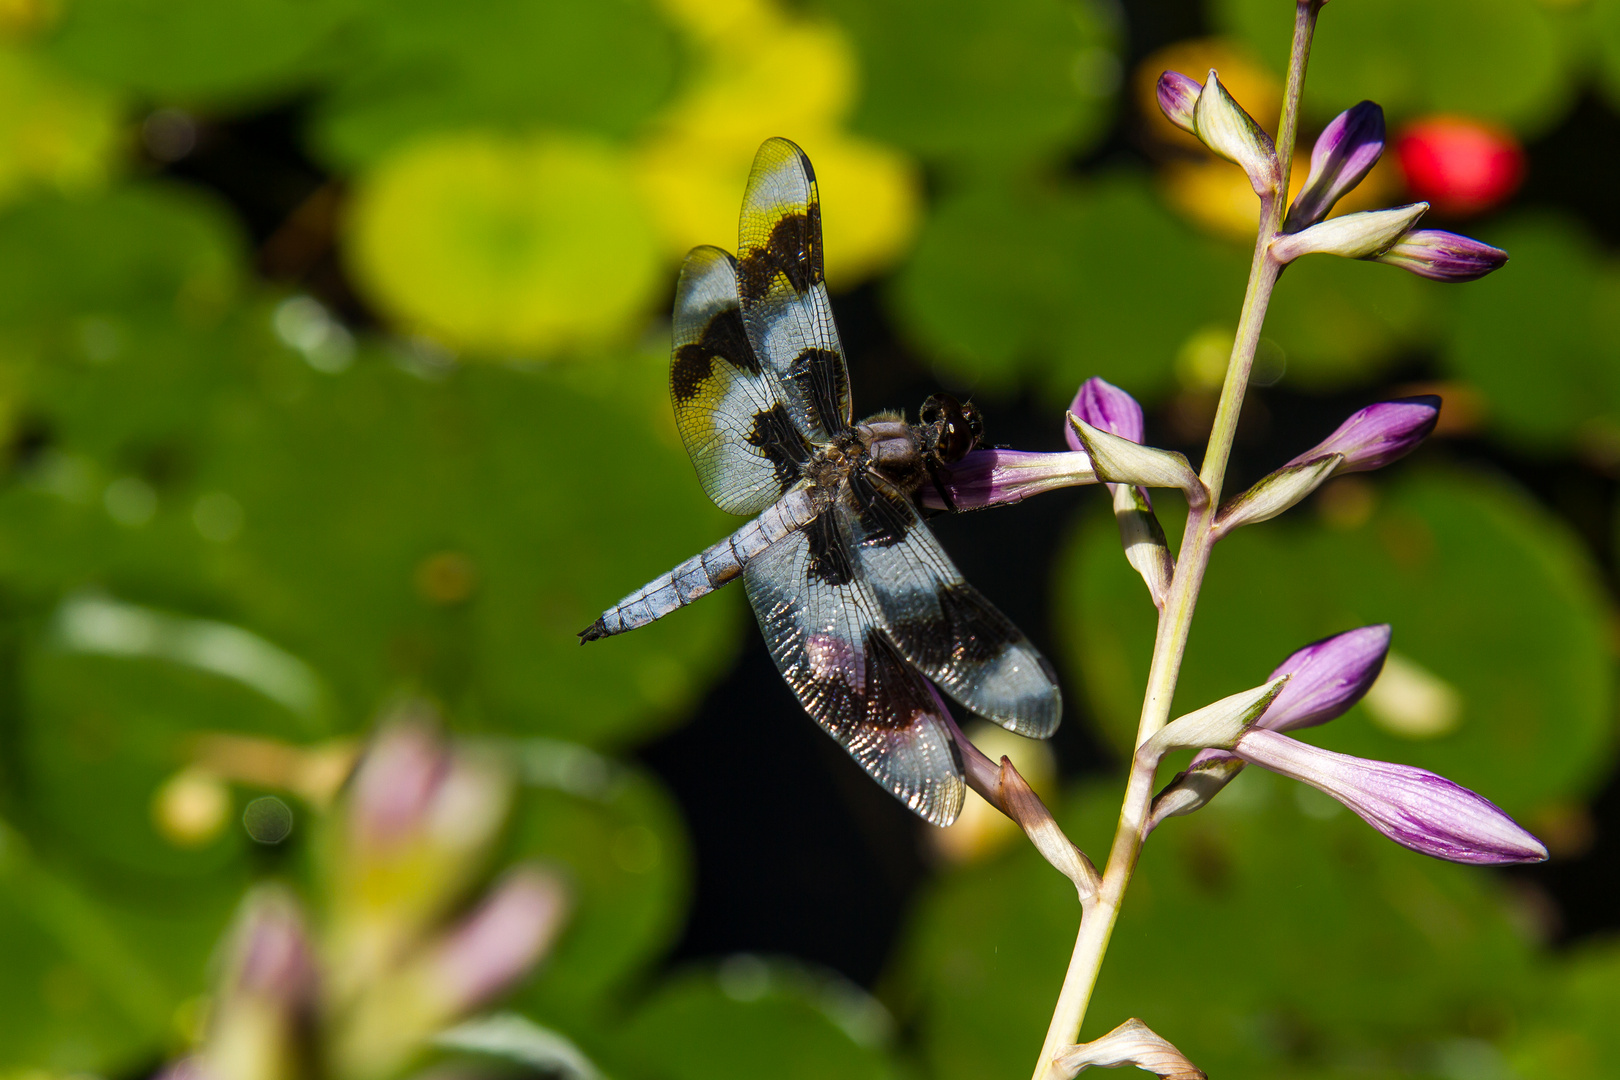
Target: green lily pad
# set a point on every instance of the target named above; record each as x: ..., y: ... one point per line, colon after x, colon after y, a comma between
x: 73, y: 997
x: 195, y: 53
x: 1341, y: 321
x: 1572, y: 1033
x: 619, y: 838
x: 988, y: 89
x: 755, y: 1017
x: 422, y: 68
x: 1484, y: 590
x: 1539, y: 337
x: 506, y: 246
x: 1514, y: 61
x: 1056, y: 287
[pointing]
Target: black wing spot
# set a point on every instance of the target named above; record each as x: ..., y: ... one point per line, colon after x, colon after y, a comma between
x: 818, y: 374
x: 781, y: 443
x: 830, y: 559
x: 884, y: 514
x: 968, y: 630
x: 691, y: 368
x: 724, y: 337
x: 793, y: 250
x: 891, y: 699
x: 894, y: 696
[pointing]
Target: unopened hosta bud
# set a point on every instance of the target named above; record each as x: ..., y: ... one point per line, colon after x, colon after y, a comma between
x: 1132, y: 1043
x: 1324, y: 678
x: 1444, y: 256
x: 1413, y: 807
x: 1178, y: 94
x: 1379, y: 434
x: 1353, y: 236
x: 1215, y: 725
x: 1003, y: 787
x: 1224, y: 127
x: 1275, y: 494
x: 1327, y: 677
x: 1121, y: 461
x: 992, y: 477
x: 1108, y: 408
x: 1347, y: 150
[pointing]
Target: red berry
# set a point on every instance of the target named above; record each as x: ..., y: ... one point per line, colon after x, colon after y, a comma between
x: 1462, y: 166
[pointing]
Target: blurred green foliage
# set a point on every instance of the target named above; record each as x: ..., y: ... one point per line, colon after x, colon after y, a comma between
x: 229, y: 512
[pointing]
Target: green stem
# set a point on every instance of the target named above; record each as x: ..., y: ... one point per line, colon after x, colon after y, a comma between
x: 1175, y: 620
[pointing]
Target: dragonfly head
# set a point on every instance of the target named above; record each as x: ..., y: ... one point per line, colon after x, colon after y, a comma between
x: 951, y: 428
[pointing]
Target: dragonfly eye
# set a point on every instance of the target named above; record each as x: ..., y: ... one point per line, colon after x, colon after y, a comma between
x: 975, y: 423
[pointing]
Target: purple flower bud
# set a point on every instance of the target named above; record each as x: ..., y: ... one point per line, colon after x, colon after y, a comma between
x: 1177, y: 96
x: 1379, y: 434
x: 1347, y: 149
x: 500, y: 941
x: 1104, y: 405
x: 1326, y: 678
x: 1412, y: 806
x: 1443, y: 256
x: 999, y: 477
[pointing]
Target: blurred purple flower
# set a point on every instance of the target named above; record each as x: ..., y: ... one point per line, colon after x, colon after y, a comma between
x: 1347, y: 149
x: 1443, y: 256
x: 272, y: 952
x: 396, y: 782
x: 1412, y: 806
x: 500, y: 941
x: 1379, y: 434
x: 1001, y: 477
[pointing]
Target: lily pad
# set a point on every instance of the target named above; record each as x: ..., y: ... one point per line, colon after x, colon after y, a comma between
x: 1514, y: 61
x: 1054, y: 287
x: 986, y: 89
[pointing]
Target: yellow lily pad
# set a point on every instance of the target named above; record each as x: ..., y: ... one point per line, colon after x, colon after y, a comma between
x: 505, y: 245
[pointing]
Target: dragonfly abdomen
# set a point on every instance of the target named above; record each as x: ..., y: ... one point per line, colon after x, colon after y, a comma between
x: 707, y: 571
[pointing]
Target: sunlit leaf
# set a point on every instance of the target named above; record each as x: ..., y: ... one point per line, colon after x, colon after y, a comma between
x: 502, y: 245
x: 1484, y: 590
x: 55, y: 134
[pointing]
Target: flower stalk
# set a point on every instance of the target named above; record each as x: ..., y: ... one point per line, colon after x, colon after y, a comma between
x: 1175, y: 617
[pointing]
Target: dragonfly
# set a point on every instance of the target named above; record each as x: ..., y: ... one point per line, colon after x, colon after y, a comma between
x: 858, y: 603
